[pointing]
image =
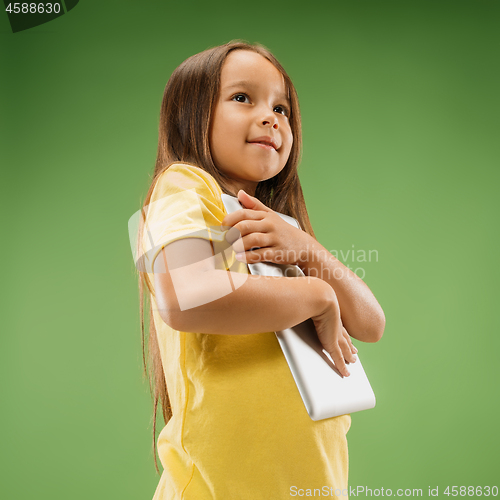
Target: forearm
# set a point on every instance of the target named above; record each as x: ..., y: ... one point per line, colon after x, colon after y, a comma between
x: 257, y: 304
x: 360, y: 311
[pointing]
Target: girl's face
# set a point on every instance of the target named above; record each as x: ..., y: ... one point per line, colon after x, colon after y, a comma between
x: 250, y: 135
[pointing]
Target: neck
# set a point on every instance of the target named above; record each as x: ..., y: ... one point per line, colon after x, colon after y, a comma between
x: 234, y: 185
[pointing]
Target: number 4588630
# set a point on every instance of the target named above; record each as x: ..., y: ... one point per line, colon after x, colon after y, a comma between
x: 471, y: 491
x: 33, y: 8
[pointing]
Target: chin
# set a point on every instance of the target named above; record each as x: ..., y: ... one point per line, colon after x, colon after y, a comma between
x: 268, y: 172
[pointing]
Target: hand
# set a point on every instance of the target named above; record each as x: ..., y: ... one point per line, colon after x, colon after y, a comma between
x: 334, y: 338
x: 260, y: 235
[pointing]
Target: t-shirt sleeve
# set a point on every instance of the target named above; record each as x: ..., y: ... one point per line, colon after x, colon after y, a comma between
x: 185, y: 203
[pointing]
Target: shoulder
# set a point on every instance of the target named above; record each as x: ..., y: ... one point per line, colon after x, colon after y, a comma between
x: 184, y: 193
x: 183, y: 177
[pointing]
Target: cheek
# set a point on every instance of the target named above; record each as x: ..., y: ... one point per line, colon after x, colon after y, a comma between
x: 217, y: 138
x: 289, y: 142
x: 222, y: 144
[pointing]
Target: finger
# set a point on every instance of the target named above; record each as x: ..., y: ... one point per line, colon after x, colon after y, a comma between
x: 240, y: 215
x: 349, y: 341
x: 249, y: 241
x: 251, y: 202
x: 338, y: 359
x: 244, y: 228
x: 232, y: 235
x: 346, y: 350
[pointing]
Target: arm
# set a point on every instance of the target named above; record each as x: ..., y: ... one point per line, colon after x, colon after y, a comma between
x: 361, y: 313
x: 184, y: 270
x: 278, y: 241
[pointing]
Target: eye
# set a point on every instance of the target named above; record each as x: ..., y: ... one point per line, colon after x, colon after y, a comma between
x: 240, y: 98
x: 281, y: 109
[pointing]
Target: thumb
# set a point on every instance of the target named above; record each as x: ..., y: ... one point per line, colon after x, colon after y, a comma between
x: 250, y: 201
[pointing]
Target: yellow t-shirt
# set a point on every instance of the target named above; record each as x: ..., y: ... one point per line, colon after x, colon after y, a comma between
x: 239, y: 428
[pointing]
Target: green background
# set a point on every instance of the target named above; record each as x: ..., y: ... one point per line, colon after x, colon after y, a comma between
x: 401, y: 112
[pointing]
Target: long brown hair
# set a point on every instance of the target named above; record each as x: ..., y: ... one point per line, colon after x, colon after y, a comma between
x: 185, y: 118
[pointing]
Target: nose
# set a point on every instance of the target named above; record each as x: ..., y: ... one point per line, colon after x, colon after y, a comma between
x: 270, y: 119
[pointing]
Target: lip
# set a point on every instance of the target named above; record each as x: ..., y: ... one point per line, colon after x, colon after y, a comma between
x: 265, y: 141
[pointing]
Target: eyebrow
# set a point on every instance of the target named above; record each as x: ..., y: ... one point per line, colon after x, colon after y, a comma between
x: 246, y: 83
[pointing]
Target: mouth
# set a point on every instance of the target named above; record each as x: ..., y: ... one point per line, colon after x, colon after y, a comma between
x: 265, y: 142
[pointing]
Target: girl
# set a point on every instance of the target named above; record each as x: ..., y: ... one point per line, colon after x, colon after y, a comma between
x: 236, y: 425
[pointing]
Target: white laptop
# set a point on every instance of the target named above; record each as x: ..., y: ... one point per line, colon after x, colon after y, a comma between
x: 324, y: 391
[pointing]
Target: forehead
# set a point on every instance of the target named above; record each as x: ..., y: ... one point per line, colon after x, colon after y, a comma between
x: 250, y: 67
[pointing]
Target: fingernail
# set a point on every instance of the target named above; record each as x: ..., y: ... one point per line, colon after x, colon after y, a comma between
x: 240, y: 256
x: 355, y: 350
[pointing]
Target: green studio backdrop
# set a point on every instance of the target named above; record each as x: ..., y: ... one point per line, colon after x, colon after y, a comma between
x: 400, y: 110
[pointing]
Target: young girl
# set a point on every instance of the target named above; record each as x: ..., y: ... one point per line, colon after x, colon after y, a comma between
x: 236, y: 425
